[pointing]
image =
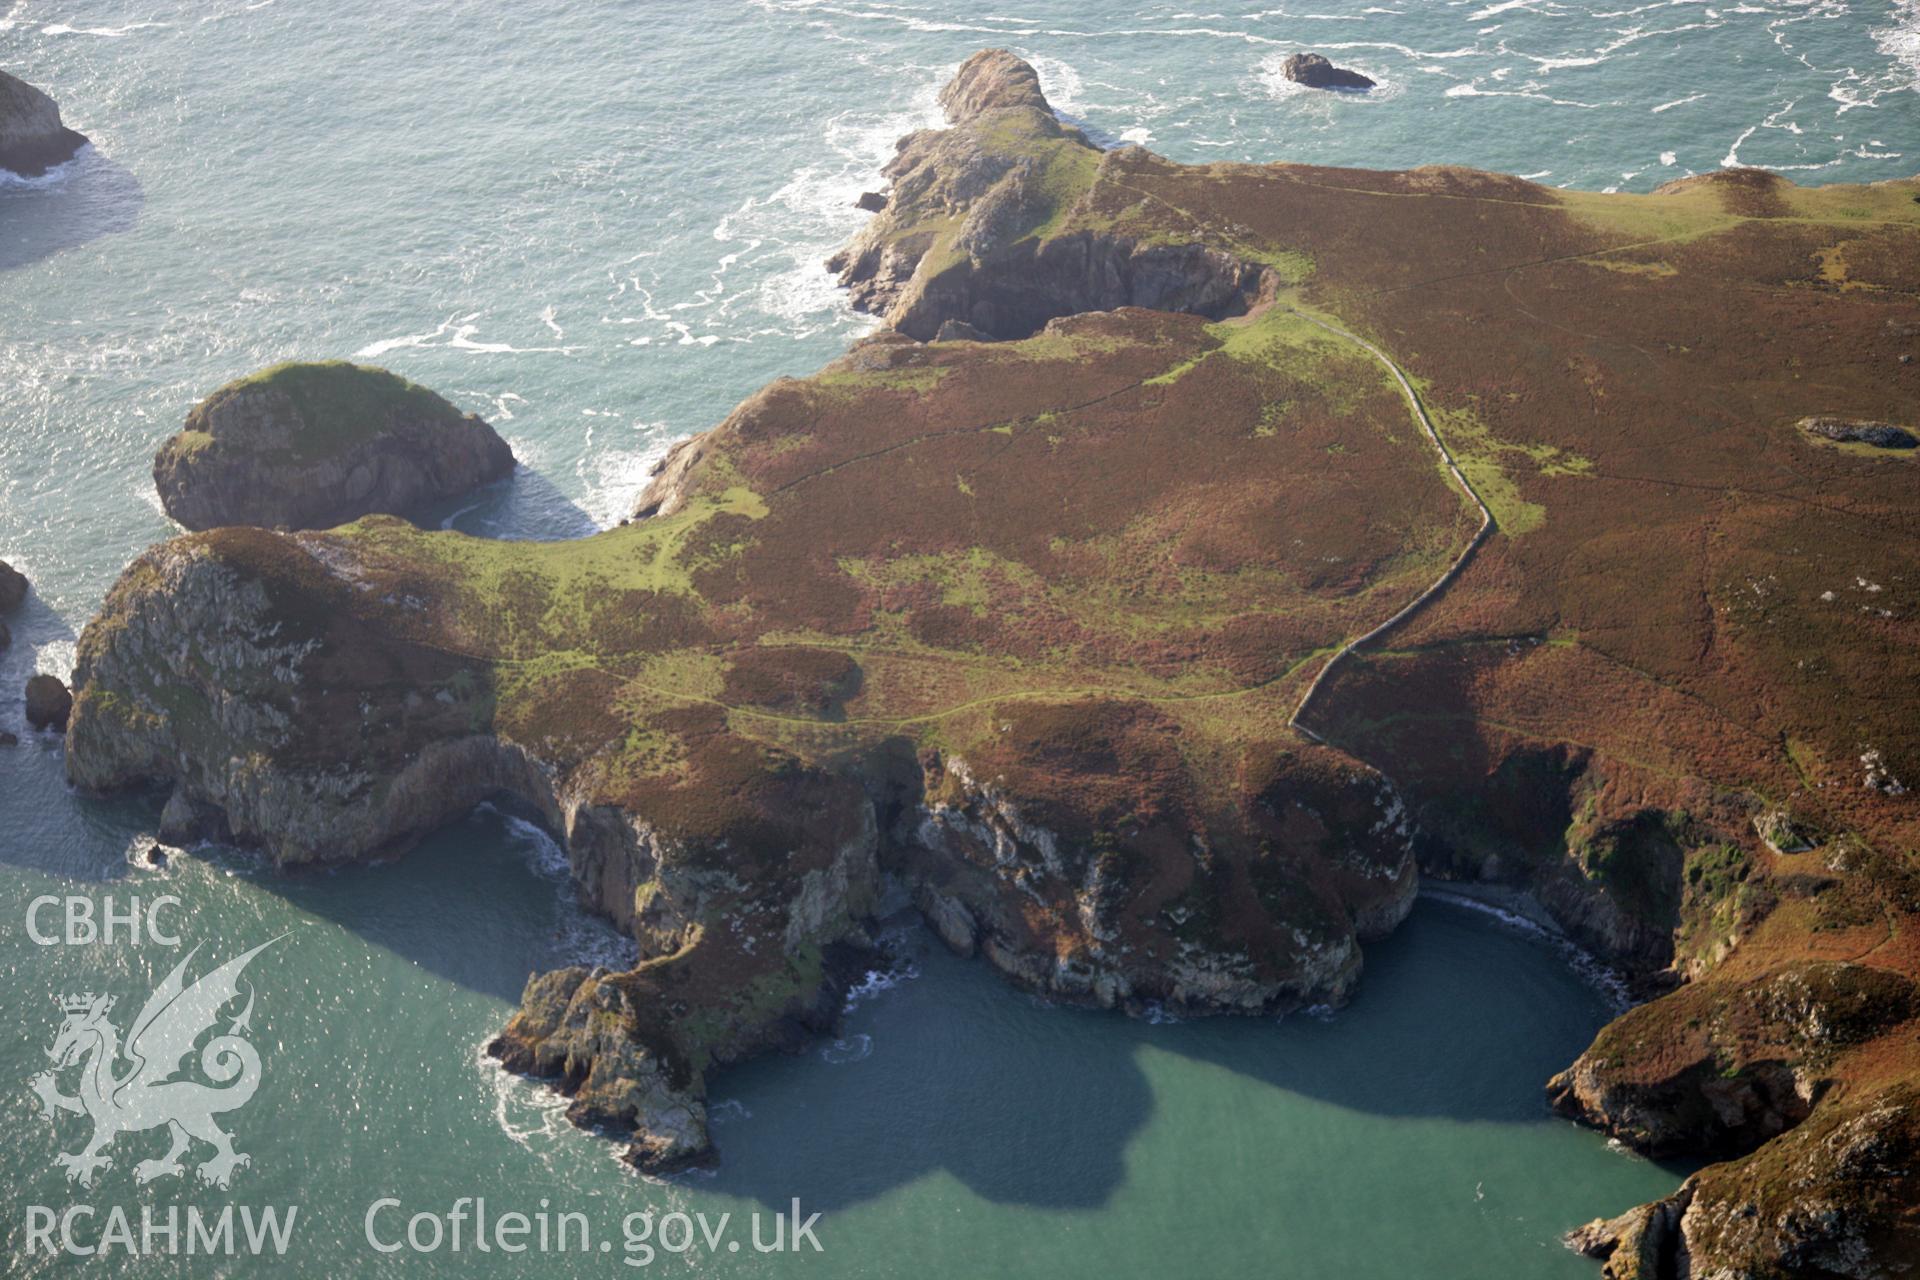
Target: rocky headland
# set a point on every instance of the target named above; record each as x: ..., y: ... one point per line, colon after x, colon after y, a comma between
x: 310, y: 446
x: 32, y: 139
x: 1028, y: 627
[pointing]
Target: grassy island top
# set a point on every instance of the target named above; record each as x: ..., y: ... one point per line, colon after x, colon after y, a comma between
x: 335, y: 404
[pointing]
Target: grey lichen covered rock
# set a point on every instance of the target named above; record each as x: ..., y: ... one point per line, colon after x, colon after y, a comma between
x: 311, y: 446
x: 32, y: 138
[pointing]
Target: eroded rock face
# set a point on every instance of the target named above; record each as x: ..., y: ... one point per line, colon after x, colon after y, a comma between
x: 1314, y: 71
x: 1147, y: 912
x: 310, y: 446
x: 32, y: 139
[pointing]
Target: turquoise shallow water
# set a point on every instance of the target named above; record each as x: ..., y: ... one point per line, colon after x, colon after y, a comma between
x: 600, y: 226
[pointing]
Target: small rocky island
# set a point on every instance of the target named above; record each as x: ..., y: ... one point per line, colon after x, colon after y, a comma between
x: 1316, y: 72
x: 32, y: 138
x: 1157, y: 648
x: 310, y: 446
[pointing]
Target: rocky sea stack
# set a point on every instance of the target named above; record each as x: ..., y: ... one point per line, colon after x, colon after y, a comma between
x: 32, y: 139
x: 311, y: 446
x: 1314, y: 71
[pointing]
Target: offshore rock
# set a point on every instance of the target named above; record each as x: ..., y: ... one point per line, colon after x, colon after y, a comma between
x: 48, y: 703
x: 308, y: 446
x: 1314, y: 71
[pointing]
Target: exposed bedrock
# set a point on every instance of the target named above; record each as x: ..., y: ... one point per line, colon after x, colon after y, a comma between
x: 310, y: 446
x: 32, y: 138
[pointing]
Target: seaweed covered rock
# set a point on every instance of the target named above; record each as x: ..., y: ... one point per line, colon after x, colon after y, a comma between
x: 32, y: 139
x: 310, y: 446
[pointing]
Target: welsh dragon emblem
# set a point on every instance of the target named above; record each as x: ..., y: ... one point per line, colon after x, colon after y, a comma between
x: 143, y: 1094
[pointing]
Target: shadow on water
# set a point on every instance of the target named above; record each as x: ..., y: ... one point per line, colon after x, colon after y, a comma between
x: 525, y: 507
x: 1453, y: 1021
x: 89, y: 197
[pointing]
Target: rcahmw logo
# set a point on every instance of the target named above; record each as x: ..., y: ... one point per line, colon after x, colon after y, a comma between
x: 145, y: 1095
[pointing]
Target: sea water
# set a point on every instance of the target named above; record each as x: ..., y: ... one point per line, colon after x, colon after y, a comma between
x: 600, y: 226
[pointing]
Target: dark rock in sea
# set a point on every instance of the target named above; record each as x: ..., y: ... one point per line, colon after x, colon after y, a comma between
x: 13, y: 586
x: 311, y: 446
x: 9, y: 739
x: 1314, y: 71
x: 32, y: 139
x: 871, y: 201
x: 1881, y: 435
x: 48, y: 703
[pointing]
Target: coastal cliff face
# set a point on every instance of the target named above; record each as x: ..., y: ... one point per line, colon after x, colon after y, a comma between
x: 32, y: 139
x: 1027, y: 625
x: 310, y: 446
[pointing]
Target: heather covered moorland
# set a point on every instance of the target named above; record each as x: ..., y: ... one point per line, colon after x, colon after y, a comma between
x: 1019, y: 604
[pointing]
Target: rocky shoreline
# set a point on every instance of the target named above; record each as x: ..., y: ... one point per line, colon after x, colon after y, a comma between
x: 1065, y: 732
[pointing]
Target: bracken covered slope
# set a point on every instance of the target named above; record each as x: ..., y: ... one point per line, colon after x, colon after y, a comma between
x: 1027, y: 623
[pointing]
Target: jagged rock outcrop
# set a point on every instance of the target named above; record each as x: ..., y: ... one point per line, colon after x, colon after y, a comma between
x: 1316, y: 72
x: 962, y: 238
x: 1831, y: 1198
x: 1058, y: 910
x: 1881, y: 435
x: 32, y: 139
x: 310, y: 446
x: 1721, y: 1067
x: 48, y: 703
